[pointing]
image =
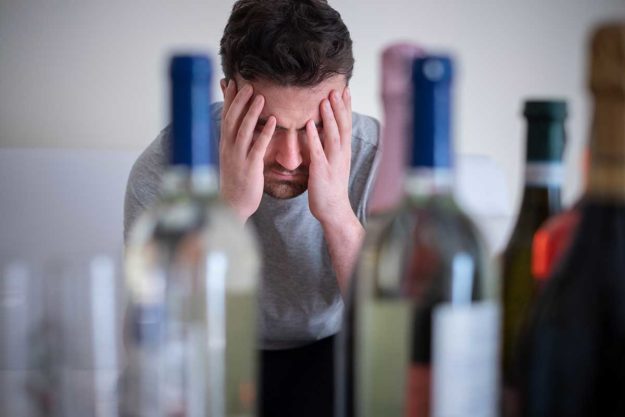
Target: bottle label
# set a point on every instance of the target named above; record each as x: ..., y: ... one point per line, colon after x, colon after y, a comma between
x: 544, y: 174
x: 465, y: 360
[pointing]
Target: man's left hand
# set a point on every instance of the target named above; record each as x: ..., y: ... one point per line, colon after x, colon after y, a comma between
x: 330, y: 162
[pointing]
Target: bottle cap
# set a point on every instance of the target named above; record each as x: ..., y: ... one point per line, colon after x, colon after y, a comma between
x: 606, y: 177
x: 546, y: 134
x: 608, y: 60
x: 397, y: 69
x: 197, y: 68
x: 190, y: 111
x: 432, y: 78
x: 545, y: 109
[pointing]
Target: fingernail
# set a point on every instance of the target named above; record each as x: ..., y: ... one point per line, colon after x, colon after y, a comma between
x: 326, y: 105
x: 335, y: 95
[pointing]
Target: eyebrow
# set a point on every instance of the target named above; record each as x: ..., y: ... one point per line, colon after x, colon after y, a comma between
x: 262, y: 121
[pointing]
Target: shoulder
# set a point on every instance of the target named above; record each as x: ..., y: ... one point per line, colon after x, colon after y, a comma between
x: 155, y: 155
x: 153, y: 159
x: 365, y: 140
x: 365, y: 130
x: 146, y: 172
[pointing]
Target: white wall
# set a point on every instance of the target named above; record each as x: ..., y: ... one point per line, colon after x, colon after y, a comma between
x: 92, y: 74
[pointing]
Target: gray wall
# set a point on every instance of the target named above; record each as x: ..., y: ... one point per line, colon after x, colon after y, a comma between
x: 91, y: 75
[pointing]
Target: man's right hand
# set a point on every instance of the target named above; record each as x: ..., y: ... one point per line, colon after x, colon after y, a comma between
x: 241, y: 155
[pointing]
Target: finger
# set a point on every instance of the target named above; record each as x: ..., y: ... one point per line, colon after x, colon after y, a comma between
x: 262, y: 141
x: 347, y: 99
x: 331, y: 133
x: 236, y: 111
x: 248, y: 124
x: 317, y: 154
x: 229, y: 94
x: 341, y: 115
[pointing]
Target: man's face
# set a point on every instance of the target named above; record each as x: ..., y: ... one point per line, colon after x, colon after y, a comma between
x: 287, y: 158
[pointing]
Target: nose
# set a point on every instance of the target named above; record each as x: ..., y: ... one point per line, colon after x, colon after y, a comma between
x: 289, y: 153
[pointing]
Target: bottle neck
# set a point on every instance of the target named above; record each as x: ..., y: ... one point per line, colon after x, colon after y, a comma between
x: 389, y: 184
x: 544, y: 174
x: 200, y: 181
x: 545, y: 199
x: 428, y: 182
x: 606, y: 177
x: 397, y: 124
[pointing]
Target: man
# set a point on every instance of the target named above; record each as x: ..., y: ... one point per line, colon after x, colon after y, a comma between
x: 297, y: 163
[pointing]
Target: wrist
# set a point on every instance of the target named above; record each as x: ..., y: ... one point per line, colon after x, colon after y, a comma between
x: 339, y: 217
x: 239, y: 212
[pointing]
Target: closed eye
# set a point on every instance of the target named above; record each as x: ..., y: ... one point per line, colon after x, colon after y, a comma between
x: 263, y: 121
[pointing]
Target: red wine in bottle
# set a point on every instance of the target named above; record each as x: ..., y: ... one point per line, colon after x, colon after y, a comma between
x: 573, y: 356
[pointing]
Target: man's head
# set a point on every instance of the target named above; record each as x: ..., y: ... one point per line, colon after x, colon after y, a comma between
x: 294, y: 53
x: 287, y: 42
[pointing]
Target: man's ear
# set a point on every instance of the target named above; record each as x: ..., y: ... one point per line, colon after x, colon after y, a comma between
x: 223, y: 84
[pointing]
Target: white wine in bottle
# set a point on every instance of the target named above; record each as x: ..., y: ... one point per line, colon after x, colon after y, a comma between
x: 425, y: 305
x: 191, y: 273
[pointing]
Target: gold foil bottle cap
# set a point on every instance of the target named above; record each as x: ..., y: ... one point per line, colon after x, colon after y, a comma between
x: 607, y: 66
x: 607, y: 84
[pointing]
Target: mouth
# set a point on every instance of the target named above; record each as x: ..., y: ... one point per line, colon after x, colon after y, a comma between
x: 284, y: 175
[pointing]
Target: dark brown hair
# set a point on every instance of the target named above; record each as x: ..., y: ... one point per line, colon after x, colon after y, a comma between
x: 288, y: 42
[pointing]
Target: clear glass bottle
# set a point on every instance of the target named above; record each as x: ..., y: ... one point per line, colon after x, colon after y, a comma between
x: 425, y: 309
x: 192, y: 273
x: 572, y: 358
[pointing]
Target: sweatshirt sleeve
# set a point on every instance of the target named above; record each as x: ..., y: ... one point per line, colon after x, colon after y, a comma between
x: 365, y: 158
x: 143, y: 186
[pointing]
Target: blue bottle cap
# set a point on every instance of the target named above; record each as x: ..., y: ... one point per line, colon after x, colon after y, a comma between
x: 432, y: 81
x: 190, y: 111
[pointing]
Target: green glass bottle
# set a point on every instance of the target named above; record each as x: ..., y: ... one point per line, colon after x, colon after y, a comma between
x: 541, y: 199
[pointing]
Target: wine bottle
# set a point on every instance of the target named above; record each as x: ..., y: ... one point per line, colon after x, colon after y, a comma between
x: 191, y: 273
x: 551, y: 242
x: 572, y: 359
x: 554, y: 237
x: 387, y: 195
x: 541, y: 199
x: 425, y: 308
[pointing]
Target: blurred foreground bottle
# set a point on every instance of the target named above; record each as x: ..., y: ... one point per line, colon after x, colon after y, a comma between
x: 572, y: 359
x: 541, y: 199
x: 192, y: 274
x: 426, y: 313
x: 387, y: 195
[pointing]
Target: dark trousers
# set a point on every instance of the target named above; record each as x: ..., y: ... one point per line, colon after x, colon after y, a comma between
x: 298, y: 382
